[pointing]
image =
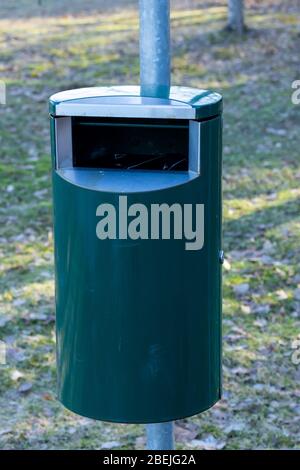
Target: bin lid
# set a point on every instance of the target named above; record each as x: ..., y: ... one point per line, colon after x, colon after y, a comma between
x: 126, y: 101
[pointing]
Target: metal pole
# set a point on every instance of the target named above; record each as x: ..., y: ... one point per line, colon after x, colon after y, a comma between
x: 160, y: 436
x: 155, y: 76
x: 155, y: 69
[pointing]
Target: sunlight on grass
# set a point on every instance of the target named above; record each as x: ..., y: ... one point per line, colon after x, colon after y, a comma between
x: 37, y: 291
x: 237, y: 207
x: 271, y: 20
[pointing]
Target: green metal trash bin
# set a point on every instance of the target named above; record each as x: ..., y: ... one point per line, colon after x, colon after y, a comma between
x: 137, y: 227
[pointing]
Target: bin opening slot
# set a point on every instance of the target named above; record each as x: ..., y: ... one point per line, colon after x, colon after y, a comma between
x: 130, y: 144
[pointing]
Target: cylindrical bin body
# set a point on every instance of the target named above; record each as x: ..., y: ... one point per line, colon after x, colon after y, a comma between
x: 137, y: 227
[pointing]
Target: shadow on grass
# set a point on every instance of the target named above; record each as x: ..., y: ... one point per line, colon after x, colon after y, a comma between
x: 238, y: 231
x: 41, y: 8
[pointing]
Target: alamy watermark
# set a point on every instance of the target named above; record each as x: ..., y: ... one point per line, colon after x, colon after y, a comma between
x: 296, y: 94
x: 2, y: 353
x: 161, y: 221
x: 296, y: 351
x: 2, y: 92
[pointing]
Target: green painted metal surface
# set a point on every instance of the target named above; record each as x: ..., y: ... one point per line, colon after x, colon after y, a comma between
x: 139, y: 321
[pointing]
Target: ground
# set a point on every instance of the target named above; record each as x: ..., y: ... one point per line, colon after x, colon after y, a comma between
x: 47, y: 48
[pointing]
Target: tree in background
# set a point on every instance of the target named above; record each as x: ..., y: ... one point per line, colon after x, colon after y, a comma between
x: 236, y: 16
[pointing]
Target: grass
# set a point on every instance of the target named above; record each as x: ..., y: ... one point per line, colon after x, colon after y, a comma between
x: 47, y: 50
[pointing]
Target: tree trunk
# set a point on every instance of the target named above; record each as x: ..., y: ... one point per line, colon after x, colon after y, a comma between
x: 236, y: 16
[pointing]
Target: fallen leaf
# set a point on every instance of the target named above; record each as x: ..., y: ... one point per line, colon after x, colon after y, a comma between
x: 261, y: 323
x: 234, y: 427
x: 271, y: 197
x: 72, y: 430
x: 246, y: 309
x: 241, y: 289
x: 297, y: 294
x: 240, y: 371
x: 265, y: 259
x: 25, y: 387
x: 210, y: 443
x: 186, y: 433
x: 110, y: 445
x: 15, y: 354
x: 259, y: 387
x: 261, y: 309
x: 226, y: 265
x: 268, y: 246
x: 279, y: 132
x: 19, y: 302
x: 281, y: 294
x: 38, y: 316
x: 40, y: 194
x: 5, y: 431
x: 3, y: 321
x: 16, y: 375
x: 47, y: 396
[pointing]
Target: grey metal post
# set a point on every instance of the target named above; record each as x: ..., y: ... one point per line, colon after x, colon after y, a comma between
x: 155, y: 76
x: 155, y: 68
x: 160, y: 436
x: 236, y: 16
